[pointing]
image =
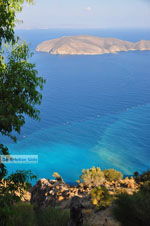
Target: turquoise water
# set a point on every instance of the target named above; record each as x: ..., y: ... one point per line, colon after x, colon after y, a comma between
x: 95, y: 110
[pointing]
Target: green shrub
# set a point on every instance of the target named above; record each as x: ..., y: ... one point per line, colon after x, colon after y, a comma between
x: 143, y: 177
x: 12, y: 189
x: 58, y: 177
x: 52, y: 217
x: 92, y: 177
x: 133, y: 210
x: 145, y: 187
x: 101, y: 197
x: 21, y: 214
x: 112, y: 175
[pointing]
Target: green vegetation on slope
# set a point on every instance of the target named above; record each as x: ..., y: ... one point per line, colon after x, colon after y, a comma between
x: 131, y: 209
x: 134, y: 210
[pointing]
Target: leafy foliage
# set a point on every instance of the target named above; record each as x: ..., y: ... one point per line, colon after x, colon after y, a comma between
x: 12, y: 190
x: 112, y: 175
x: 8, y: 10
x: 145, y: 187
x: 92, y: 177
x: 101, y: 197
x: 19, y: 83
x: 13, y: 187
x: 143, y: 177
x: 21, y: 177
x: 133, y: 210
x: 3, y: 170
x: 18, y: 90
x: 19, y: 96
x: 95, y: 176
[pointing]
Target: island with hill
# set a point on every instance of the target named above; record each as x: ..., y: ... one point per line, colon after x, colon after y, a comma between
x: 89, y: 45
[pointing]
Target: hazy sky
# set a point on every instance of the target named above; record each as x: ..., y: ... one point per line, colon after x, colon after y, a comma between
x: 86, y: 14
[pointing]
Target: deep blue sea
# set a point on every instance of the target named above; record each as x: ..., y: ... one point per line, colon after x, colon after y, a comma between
x: 95, y: 109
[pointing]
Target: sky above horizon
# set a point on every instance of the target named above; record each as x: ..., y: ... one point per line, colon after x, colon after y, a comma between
x: 46, y: 14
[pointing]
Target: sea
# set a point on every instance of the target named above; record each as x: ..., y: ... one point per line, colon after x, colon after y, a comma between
x: 95, y: 110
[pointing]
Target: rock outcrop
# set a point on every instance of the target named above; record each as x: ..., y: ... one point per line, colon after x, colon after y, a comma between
x: 52, y: 193
x: 89, y: 45
x: 58, y: 194
x: 55, y: 193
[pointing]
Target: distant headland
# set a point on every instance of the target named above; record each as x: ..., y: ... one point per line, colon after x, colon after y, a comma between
x: 89, y: 45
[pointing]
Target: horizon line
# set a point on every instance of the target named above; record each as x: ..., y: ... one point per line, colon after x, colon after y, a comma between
x: 84, y: 28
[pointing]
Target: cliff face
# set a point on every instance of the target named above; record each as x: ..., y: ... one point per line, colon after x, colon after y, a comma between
x: 89, y: 45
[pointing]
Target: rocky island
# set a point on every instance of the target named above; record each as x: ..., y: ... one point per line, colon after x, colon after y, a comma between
x: 89, y: 45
